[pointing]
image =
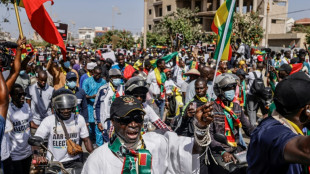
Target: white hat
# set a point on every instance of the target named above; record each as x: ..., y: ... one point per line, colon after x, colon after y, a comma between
x: 91, y: 65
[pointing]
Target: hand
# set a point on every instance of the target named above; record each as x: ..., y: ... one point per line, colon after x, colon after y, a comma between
x: 204, y: 115
x: 94, y: 96
x: 39, y: 160
x: 190, y: 112
x: 20, y: 42
x: 100, y: 127
x: 228, y: 157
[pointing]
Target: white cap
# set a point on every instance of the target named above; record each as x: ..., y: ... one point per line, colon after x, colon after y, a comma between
x: 91, y: 65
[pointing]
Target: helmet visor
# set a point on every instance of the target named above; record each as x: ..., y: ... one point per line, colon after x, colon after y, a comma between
x: 64, y: 101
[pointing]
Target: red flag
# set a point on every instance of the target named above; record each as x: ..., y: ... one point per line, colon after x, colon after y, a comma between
x: 43, y: 24
x: 296, y: 68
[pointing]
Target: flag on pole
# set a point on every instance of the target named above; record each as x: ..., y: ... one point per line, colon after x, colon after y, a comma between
x: 42, y: 23
x: 19, y: 3
x: 166, y: 58
x: 218, y: 26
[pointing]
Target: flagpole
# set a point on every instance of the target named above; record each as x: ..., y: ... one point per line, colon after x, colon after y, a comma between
x: 18, y: 22
x: 231, y: 10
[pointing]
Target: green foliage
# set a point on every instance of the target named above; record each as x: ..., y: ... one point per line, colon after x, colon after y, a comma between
x: 182, y: 21
x: 36, y: 43
x: 308, y: 38
x: 153, y: 38
x: 123, y: 39
x: 5, y: 2
x: 247, y: 28
x: 301, y: 28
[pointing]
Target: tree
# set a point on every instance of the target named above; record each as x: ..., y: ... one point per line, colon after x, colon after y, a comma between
x: 246, y: 27
x: 123, y: 39
x: 308, y: 38
x: 183, y: 21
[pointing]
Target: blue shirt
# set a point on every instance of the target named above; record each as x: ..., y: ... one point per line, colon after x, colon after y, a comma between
x: 83, y: 78
x: 91, y: 87
x: 2, y: 128
x: 82, y: 102
x: 266, y: 150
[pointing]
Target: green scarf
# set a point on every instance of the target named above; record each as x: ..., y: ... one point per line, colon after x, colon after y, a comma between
x: 131, y: 156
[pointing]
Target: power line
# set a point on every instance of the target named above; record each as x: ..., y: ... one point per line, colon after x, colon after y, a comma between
x: 297, y: 11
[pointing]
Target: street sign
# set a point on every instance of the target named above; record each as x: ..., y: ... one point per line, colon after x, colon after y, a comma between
x: 62, y: 29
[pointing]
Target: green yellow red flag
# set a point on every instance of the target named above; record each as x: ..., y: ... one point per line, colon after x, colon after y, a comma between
x: 218, y: 26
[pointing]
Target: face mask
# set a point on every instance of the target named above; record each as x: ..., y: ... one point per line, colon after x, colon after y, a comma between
x: 71, y: 84
x: 44, y: 69
x: 229, y: 95
x: 116, y: 82
x: 67, y: 64
x: 22, y: 72
x: 37, y: 75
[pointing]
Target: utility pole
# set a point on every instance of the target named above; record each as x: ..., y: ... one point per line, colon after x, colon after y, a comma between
x: 145, y: 24
x: 267, y: 24
x: 114, y: 9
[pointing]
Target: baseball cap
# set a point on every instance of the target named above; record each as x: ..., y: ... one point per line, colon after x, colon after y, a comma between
x: 123, y: 105
x: 70, y: 75
x: 114, y: 72
x: 292, y: 93
x: 241, y: 72
x: 285, y: 67
x: 260, y: 58
x: 192, y: 71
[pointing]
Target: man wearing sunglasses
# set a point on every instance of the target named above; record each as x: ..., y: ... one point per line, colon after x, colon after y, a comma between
x: 137, y: 87
x: 104, y: 98
x: 131, y: 152
x: 20, y: 115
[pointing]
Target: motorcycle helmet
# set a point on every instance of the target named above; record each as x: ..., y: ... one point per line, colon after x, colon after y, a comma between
x: 63, y: 99
x: 223, y: 81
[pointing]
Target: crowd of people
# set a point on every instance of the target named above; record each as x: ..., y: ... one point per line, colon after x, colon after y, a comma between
x: 158, y: 111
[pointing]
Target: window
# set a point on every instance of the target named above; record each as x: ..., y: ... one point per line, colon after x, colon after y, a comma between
x: 168, y: 7
x: 150, y: 27
x: 281, y: 3
x: 274, y: 21
x: 150, y: 11
x: 160, y: 11
x: 87, y: 36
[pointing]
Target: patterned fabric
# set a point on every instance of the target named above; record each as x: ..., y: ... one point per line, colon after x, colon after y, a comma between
x: 159, y: 124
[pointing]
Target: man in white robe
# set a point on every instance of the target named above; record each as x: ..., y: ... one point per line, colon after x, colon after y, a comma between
x: 169, y: 153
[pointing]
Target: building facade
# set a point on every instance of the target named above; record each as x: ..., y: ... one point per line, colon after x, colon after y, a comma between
x: 277, y: 16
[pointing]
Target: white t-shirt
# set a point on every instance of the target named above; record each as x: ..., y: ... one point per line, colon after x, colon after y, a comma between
x: 154, y: 88
x: 6, y: 144
x: 169, y: 84
x: 170, y: 154
x: 20, y: 118
x: 76, y: 128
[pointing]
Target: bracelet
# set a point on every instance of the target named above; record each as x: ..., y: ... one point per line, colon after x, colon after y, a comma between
x: 222, y: 153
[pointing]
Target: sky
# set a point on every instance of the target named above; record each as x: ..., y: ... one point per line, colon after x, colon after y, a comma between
x: 92, y: 13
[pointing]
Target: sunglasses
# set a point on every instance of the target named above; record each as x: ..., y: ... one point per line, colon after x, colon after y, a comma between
x: 19, y: 95
x: 128, y: 119
x: 139, y: 95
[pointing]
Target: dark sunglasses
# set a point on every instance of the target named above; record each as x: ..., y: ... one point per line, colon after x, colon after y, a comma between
x: 139, y: 95
x: 21, y: 94
x: 128, y: 119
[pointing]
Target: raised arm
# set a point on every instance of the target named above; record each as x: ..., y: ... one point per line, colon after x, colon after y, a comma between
x: 16, y: 64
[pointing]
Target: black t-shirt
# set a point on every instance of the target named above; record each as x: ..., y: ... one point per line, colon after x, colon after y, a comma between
x: 266, y: 150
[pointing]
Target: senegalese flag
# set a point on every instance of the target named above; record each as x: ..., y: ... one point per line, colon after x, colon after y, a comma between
x: 166, y: 58
x: 193, y: 65
x: 218, y: 26
x: 19, y: 3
